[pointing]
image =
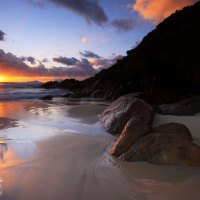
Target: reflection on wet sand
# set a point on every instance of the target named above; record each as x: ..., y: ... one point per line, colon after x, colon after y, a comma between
x: 17, y: 109
x: 7, y: 123
x: 3, y: 150
x: 8, y: 159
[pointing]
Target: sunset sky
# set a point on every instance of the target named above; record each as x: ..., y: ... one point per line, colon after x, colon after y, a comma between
x: 56, y: 39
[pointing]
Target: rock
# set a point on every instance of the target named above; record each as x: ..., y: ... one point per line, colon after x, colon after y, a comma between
x: 97, y: 94
x: 48, y: 97
x: 188, y: 106
x: 68, y: 94
x: 116, y: 116
x: 134, y: 129
x: 175, y: 128
x: 164, y: 149
x: 50, y: 84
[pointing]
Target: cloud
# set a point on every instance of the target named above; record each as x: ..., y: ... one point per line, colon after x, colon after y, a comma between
x: 84, y: 39
x: 44, y: 60
x: 89, y: 9
x: 87, y: 66
x: 123, y: 24
x: 89, y: 54
x: 11, y: 65
x: 2, y: 34
x: 66, y: 61
x: 99, y: 62
x: 29, y: 59
x: 157, y: 10
x: 104, y: 63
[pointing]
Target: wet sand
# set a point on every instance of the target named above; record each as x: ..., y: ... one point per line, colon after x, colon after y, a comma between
x: 72, y: 161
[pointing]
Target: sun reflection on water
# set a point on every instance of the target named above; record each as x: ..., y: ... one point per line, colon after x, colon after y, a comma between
x: 9, y: 159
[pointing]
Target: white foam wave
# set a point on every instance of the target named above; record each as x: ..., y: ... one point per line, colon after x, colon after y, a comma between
x: 31, y: 93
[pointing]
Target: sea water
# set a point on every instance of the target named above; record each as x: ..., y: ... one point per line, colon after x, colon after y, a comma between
x: 27, y: 90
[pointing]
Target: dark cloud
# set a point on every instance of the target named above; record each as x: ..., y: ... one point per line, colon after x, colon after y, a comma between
x: 124, y: 24
x: 66, y: 61
x: 12, y: 65
x: 89, y: 9
x: 2, y: 34
x: 89, y: 54
x: 83, y: 68
x: 87, y: 66
x: 29, y: 59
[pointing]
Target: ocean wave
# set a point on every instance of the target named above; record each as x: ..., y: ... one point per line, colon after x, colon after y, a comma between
x: 19, y: 94
x: 32, y: 84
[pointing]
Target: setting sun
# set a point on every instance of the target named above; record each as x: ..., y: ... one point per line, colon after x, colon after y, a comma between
x: 2, y: 79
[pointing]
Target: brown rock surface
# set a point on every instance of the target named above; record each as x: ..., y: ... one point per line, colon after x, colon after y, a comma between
x: 175, y: 128
x: 134, y: 129
x: 165, y: 149
x: 186, y: 107
x: 116, y: 116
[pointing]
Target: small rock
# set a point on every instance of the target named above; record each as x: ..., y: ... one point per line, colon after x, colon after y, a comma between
x: 48, y: 97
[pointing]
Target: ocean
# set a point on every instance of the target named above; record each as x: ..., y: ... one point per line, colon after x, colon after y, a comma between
x: 26, y: 90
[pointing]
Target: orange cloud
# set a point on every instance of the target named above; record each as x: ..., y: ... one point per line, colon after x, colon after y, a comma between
x: 84, y: 39
x: 157, y: 10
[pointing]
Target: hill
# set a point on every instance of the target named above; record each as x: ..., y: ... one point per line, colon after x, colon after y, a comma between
x: 165, y: 66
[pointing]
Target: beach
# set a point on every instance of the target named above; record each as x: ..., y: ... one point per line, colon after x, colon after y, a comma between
x: 91, y: 94
x: 57, y: 150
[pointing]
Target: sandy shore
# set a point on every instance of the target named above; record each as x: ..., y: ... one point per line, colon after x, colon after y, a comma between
x: 73, y: 163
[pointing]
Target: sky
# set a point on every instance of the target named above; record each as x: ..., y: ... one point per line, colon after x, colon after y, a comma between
x: 57, y: 39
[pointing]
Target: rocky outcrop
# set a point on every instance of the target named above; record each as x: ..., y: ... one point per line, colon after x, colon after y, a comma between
x: 188, y: 106
x: 165, y: 149
x: 116, y: 116
x: 164, y: 66
x: 169, y: 144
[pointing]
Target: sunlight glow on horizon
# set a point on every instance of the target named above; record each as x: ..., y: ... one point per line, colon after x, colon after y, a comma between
x: 6, y: 79
x: 2, y: 79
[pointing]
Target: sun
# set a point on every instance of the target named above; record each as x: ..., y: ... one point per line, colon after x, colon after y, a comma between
x: 2, y: 78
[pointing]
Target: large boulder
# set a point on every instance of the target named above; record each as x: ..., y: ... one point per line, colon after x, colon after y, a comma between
x: 174, y: 128
x: 134, y: 129
x: 165, y: 149
x: 116, y: 116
